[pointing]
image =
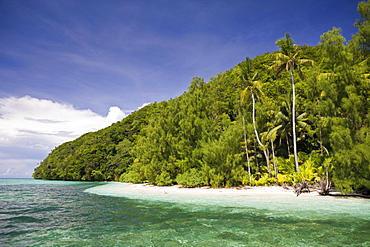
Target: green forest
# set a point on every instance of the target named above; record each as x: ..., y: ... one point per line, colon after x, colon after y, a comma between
x: 300, y: 113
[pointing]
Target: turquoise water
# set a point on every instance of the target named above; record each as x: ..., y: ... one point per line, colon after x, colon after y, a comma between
x: 55, y: 213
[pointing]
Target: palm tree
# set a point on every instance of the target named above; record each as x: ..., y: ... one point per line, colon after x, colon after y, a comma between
x: 284, y: 124
x: 246, y: 150
x: 288, y: 59
x: 253, y: 88
x: 270, y: 136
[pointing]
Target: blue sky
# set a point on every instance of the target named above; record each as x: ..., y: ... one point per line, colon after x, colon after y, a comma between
x: 94, y: 61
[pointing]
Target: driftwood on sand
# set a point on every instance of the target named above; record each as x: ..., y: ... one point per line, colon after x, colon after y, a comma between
x: 325, y: 186
x: 301, y: 187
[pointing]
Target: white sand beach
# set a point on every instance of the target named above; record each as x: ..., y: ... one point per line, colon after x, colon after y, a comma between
x: 246, y: 190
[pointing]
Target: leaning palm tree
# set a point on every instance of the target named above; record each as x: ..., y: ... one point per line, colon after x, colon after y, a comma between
x: 252, y: 89
x: 289, y: 59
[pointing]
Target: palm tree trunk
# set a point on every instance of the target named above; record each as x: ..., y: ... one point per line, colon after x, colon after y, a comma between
x: 246, y: 152
x: 267, y: 156
x: 273, y: 157
x: 256, y: 159
x: 265, y: 150
x: 293, y: 122
x: 254, y: 119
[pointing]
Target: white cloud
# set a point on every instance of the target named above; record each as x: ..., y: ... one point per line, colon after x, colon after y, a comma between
x: 17, y: 168
x: 31, y: 128
x: 115, y: 114
x: 39, y: 123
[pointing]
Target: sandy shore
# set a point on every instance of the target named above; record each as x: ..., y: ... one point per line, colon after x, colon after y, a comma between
x: 246, y: 190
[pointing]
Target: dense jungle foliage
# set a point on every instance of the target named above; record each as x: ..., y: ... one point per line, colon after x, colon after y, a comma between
x: 301, y: 113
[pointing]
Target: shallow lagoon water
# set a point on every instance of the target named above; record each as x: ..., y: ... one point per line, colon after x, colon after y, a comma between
x: 54, y: 213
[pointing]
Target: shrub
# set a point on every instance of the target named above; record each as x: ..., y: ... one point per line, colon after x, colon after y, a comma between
x: 191, y: 178
x: 164, y: 179
x: 130, y: 177
x: 284, y: 179
x: 307, y: 172
x: 265, y: 180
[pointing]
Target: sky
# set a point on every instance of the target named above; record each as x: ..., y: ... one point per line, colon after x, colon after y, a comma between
x: 68, y: 67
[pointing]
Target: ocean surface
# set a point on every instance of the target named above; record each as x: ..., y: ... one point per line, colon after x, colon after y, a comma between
x: 56, y: 213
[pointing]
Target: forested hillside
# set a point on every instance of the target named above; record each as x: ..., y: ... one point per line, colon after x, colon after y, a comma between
x: 301, y: 113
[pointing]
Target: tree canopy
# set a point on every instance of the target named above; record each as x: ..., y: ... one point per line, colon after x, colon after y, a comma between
x: 227, y: 132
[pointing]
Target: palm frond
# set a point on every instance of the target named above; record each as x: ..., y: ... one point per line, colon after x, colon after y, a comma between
x: 281, y: 116
x: 245, y: 94
x: 254, y: 76
x: 281, y: 57
x: 303, y: 125
x: 257, y: 84
x: 306, y: 61
x: 323, y: 76
x: 273, y: 132
x: 302, y: 116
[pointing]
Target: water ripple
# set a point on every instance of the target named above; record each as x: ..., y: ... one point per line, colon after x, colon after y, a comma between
x: 42, y: 213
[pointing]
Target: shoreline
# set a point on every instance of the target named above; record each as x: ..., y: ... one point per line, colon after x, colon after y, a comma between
x: 267, y: 191
x: 240, y: 191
